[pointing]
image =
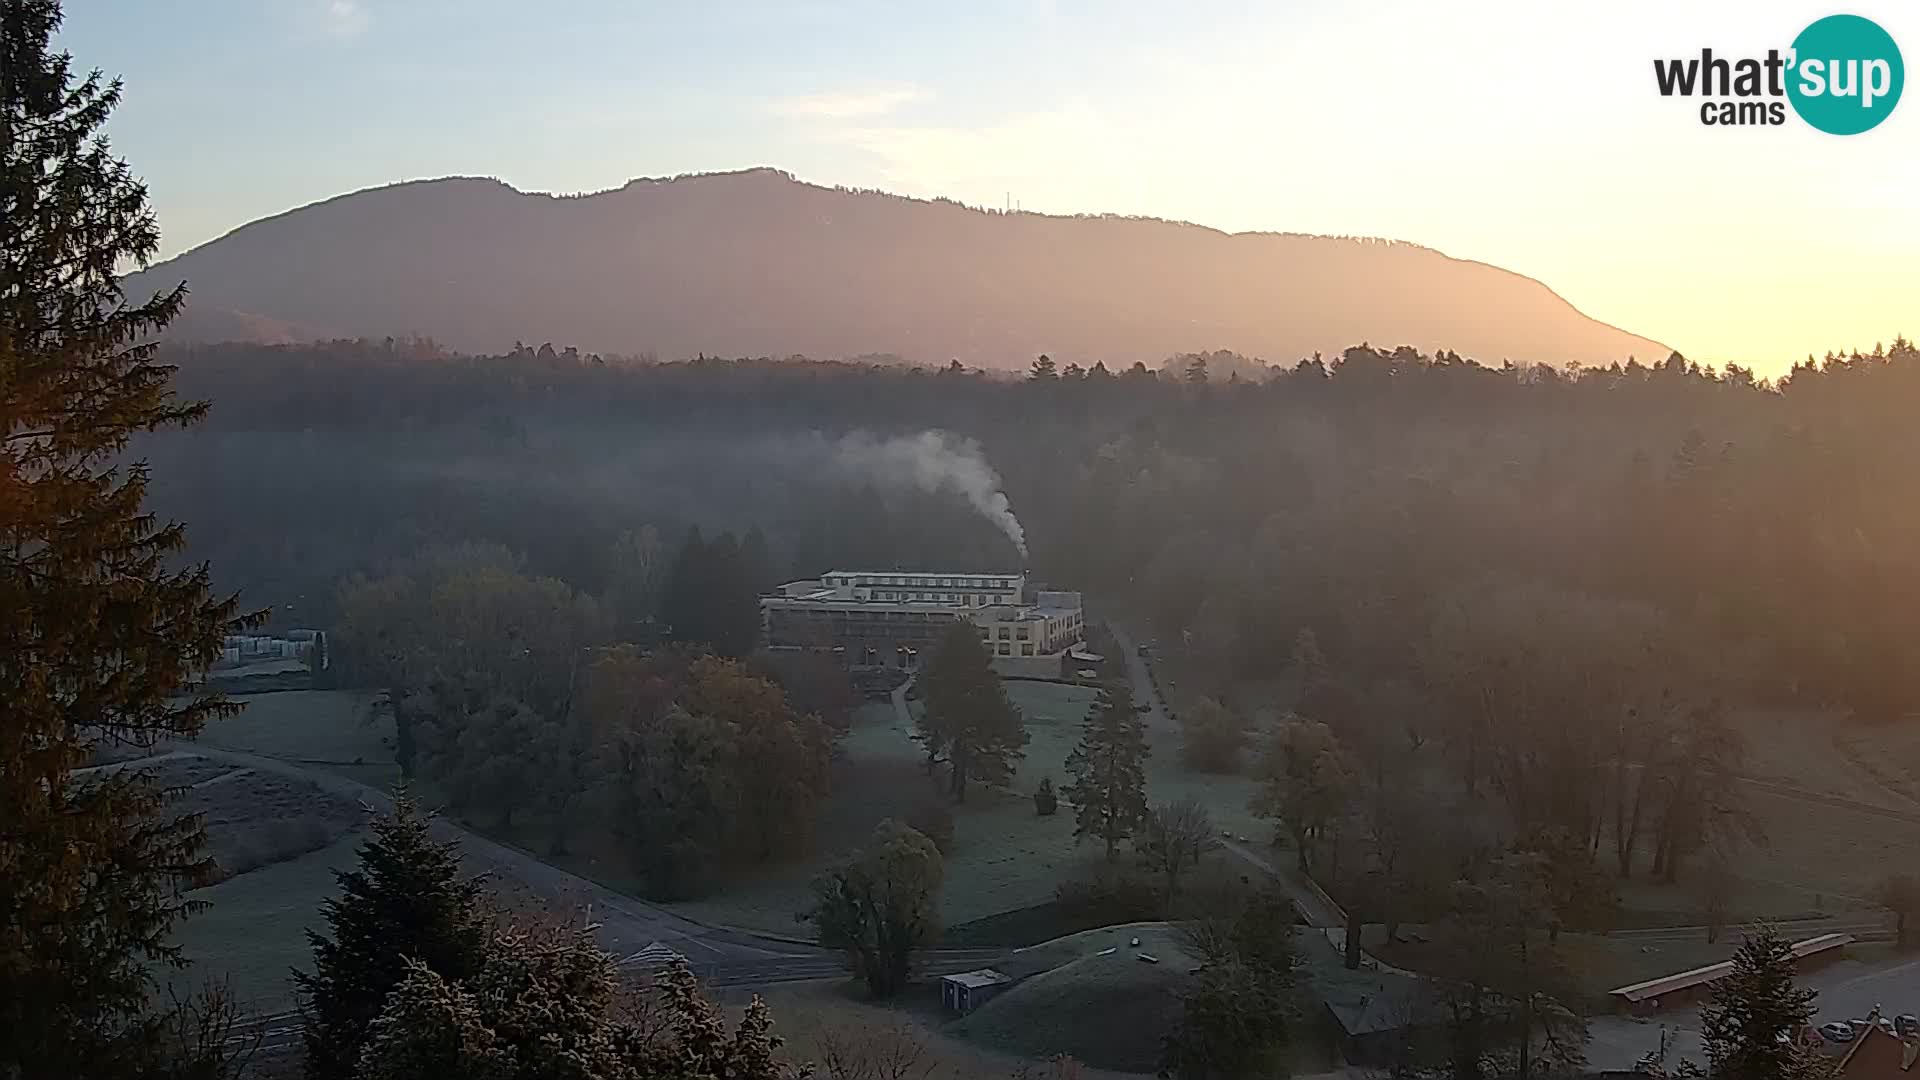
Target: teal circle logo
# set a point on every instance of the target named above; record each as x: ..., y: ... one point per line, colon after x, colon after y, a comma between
x: 1846, y: 74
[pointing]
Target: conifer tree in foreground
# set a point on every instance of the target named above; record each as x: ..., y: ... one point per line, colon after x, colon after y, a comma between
x: 99, y: 634
x: 404, y: 908
x: 1751, y: 1008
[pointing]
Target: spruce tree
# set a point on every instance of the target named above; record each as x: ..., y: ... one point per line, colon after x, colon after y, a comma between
x: 1109, y: 770
x: 100, y: 635
x: 968, y: 716
x: 406, y: 902
x: 1751, y: 1008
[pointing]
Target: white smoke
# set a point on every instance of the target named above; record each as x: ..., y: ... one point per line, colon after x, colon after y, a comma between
x: 934, y: 461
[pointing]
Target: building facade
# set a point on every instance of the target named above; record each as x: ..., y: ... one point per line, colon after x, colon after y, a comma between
x: 890, y: 617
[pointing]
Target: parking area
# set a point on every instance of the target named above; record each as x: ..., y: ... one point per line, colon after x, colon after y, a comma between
x: 1849, y: 989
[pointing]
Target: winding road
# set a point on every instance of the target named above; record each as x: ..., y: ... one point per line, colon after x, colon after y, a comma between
x: 636, y: 933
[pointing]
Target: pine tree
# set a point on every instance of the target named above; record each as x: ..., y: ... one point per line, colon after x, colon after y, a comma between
x: 1109, y: 770
x: 100, y: 635
x: 968, y: 716
x: 1751, y: 1008
x: 405, y: 903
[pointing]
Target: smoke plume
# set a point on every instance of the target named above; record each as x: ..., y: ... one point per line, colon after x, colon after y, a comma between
x: 934, y: 461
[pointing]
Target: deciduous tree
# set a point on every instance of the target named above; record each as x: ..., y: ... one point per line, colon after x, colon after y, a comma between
x: 881, y: 906
x: 1211, y: 737
x: 1173, y: 840
x: 1305, y: 783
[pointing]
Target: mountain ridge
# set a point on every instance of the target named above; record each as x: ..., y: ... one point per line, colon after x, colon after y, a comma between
x: 756, y: 262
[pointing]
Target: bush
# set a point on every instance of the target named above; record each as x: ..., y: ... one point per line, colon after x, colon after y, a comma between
x: 1212, y: 736
x: 1045, y: 802
x: 933, y: 820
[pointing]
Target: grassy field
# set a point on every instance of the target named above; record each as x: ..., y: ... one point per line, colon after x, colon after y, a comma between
x: 1109, y: 1011
x: 256, y: 819
x: 254, y: 928
x: 1004, y: 856
x: 330, y: 729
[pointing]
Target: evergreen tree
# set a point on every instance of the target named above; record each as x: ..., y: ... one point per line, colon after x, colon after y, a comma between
x: 1751, y: 1008
x: 710, y: 598
x: 99, y: 633
x: 405, y: 905
x: 1109, y: 770
x: 968, y: 716
x: 1043, y: 370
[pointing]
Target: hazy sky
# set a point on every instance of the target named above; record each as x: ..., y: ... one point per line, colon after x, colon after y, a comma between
x: 1525, y: 134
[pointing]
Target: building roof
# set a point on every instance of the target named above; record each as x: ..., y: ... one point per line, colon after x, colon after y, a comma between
x: 1877, y: 1055
x: 1701, y: 976
x: 926, y: 573
x: 975, y: 979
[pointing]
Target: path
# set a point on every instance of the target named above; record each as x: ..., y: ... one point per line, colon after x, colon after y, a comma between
x: 723, y: 958
x: 625, y: 925
x: 1314, y: 905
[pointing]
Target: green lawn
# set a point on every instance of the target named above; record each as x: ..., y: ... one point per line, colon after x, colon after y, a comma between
x: 1005, y: 856
x: 254, y: 928
x: 334, y: 729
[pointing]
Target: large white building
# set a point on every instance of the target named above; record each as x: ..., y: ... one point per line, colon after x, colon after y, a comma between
x: 890, y: 617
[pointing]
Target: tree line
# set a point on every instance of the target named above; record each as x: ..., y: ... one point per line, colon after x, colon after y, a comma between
x: 518, y: 699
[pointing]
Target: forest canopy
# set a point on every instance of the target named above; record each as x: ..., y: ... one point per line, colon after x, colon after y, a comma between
x: 1364, y: 498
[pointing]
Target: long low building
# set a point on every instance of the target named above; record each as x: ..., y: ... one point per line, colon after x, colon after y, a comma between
x: 890, y: 617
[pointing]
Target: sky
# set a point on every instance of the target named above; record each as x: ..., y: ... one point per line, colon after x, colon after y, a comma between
x: 1525, y: 134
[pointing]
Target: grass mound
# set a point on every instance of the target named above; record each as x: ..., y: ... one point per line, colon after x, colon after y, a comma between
x: 1107, y: 1011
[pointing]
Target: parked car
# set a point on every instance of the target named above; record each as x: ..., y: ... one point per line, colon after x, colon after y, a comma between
x: 1861, y: 1023
x: 1837, y: 1031
x: 1906, y: 1024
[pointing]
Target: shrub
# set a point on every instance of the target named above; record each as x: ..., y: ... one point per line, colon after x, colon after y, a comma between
x: 1211, y: 737
x: 1045, y: 802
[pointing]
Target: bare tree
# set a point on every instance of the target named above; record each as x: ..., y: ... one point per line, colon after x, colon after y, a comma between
x: 875, y: 1050
x: 1177, y: 836
x: 1716, y: 893
x: 201, y: 1035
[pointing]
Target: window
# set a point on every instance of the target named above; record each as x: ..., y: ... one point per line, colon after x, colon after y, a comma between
x: 1027, y: 649
x: 1004, y: 649
x: 1023, y: 633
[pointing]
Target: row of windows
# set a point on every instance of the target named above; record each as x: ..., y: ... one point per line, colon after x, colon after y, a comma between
x: 1005, y: 648
x: 925, y: 581
x: 959, y: 599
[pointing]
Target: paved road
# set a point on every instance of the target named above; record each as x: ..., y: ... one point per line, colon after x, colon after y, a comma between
x: 625, y: 925
x: 724, y: 958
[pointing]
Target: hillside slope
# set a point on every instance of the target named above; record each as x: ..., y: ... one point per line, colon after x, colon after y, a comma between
x: 757, y: 263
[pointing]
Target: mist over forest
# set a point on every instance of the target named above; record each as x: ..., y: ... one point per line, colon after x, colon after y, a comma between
x: 1362, y: 498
